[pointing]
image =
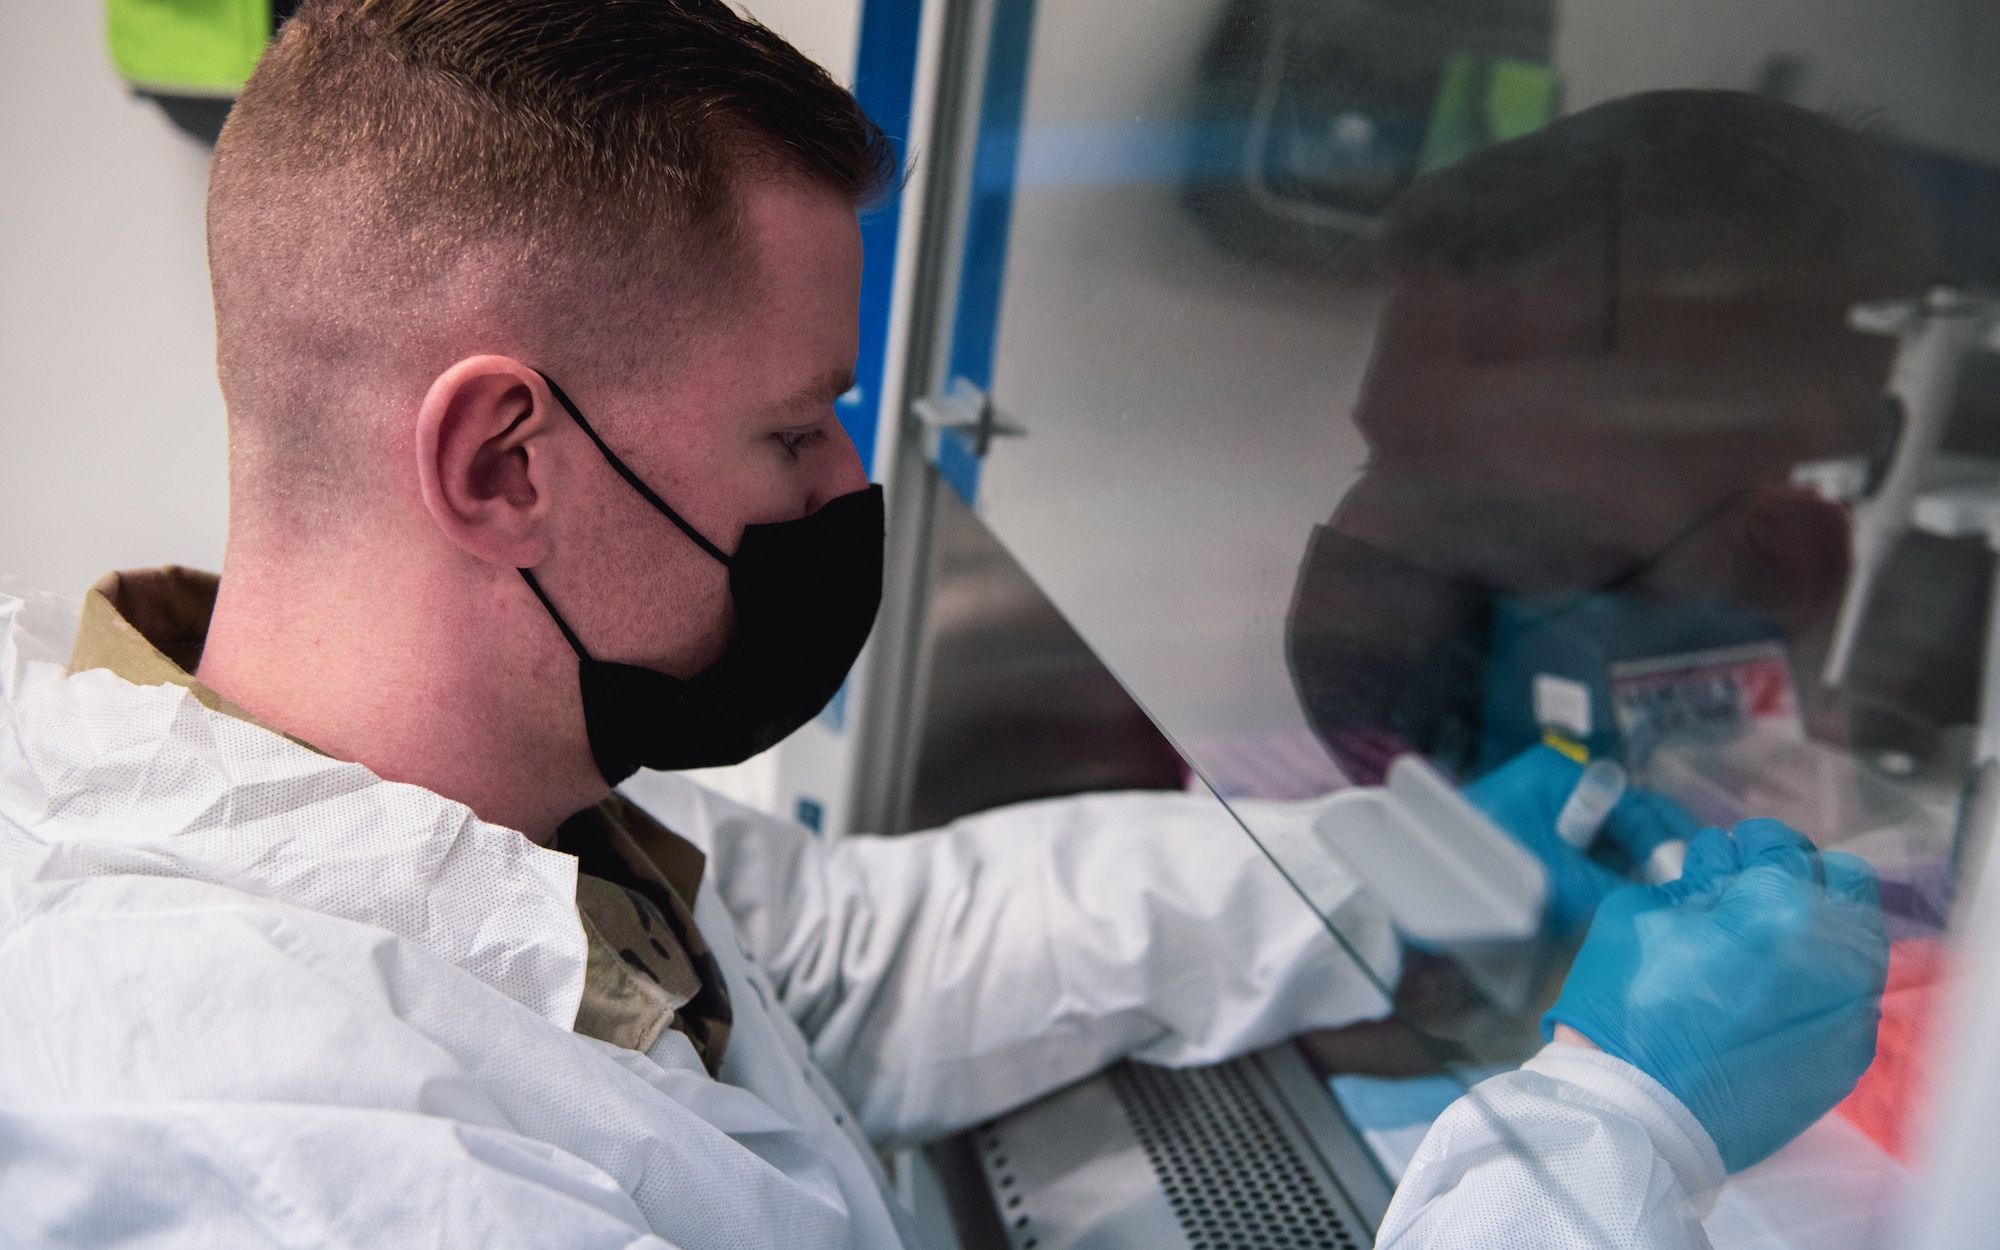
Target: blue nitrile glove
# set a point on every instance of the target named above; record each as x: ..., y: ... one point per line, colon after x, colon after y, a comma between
x: 1750, y: 988
x: 1526, y: 794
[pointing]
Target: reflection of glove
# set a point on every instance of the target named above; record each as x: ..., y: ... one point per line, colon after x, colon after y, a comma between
x: 1750, y: 987
x: 1526, y: 794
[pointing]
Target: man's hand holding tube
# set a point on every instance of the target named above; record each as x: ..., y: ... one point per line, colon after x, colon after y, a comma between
x: 1750, y: 988
x: 1524, y: 797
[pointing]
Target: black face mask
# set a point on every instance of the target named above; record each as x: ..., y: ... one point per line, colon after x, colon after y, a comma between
x: 1386, y: 656
x: 805, y: 594
x: 1389, y: 656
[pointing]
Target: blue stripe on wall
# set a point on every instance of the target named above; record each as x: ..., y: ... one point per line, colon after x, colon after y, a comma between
x: 885, y: 77
x: 976, y: 321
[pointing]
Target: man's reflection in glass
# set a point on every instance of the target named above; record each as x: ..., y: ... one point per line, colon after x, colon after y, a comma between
x: 1605, y: 350
x: 1606, y: 347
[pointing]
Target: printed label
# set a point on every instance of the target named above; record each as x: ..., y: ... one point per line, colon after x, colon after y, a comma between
x: 1719, y: 695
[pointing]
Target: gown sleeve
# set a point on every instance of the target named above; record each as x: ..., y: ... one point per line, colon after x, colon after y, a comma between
x: 944, y: 977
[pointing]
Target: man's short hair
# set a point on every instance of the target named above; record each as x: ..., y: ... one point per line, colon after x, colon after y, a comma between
x: 1715, y: 241
x: 401, y: 177
x: 1703, y: 195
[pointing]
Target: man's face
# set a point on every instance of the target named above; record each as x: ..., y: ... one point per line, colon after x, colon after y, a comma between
x: 1489, y: 457
x: 1514, y: 449
x: 740, y: 431
x: 1510, y: 447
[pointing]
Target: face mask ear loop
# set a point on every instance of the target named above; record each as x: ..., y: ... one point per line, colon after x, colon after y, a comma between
x: 1640, y: 568
x: 568, y: 633
x: 632, y: 478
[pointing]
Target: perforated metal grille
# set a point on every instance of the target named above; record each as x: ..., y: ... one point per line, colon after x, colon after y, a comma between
x: 1233, y: 1176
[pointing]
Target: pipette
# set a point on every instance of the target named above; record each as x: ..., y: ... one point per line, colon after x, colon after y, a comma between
x: 1934, y: 335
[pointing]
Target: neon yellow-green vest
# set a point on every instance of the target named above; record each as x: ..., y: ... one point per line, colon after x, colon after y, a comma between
x: 187, y: 47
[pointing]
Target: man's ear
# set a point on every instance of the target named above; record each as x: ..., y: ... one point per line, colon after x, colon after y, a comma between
x: 483, y: 458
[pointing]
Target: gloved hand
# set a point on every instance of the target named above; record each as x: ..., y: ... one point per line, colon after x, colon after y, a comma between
x: 1526, y: 794
x: 1750, y: 988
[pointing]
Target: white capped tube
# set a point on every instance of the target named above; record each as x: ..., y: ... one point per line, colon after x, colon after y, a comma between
x: 1596, y: 793
x: 1666, y: 861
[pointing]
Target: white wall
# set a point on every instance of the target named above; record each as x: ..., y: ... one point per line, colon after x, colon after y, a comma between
x: 111, y: 431
x: 828, y: 31
x: 1921, y: 70
x: 111, y: 424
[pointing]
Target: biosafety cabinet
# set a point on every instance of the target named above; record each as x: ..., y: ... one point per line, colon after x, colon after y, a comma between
x: 1324, y: 404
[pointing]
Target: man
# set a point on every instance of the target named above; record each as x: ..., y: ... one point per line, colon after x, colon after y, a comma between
x: 1606, y: 346
x: 318, y: 924
x: 321, y: 921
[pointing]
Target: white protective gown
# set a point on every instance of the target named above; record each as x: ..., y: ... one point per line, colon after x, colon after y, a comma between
x: 1576, y: 1149
x: 253, y: 996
